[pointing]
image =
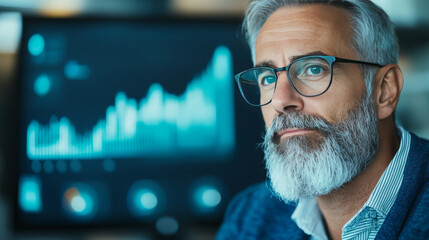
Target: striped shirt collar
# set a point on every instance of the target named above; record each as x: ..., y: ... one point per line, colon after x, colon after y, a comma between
x: 384, y: 194
x: 308, y: 217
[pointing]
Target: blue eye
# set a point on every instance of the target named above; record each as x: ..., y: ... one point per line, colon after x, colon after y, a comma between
x: 310, y: 69
x: 267, y: 80
x: 314, y: 70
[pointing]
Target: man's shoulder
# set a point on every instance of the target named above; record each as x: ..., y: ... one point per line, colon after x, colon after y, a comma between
x: 257, y: 213
x: 419, y: 147
x: 417, y: 223
x: 409, y: 215
x: 416, y: 226
x: 258, y: 200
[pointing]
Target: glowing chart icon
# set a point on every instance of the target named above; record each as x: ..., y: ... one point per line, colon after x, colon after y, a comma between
x: 200, y: 121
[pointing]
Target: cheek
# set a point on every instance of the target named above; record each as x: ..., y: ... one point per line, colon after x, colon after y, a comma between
x: 268, y: 115
x: 333, y: 107
x: 339, y: 101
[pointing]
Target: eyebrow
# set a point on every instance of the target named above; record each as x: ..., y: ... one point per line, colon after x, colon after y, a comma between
x: 271, y: 64
x: 268, y: 63
x: 293, y: 58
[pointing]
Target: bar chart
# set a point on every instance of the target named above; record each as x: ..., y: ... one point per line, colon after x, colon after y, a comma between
x: 160, y: 124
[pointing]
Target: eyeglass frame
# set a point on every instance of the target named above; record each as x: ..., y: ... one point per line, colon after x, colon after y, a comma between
x: 329, y: 59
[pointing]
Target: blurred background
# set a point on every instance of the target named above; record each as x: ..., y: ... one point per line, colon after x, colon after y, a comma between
x: 119, y: 119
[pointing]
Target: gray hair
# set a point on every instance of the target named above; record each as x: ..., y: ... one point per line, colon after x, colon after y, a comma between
x: 374, y: 37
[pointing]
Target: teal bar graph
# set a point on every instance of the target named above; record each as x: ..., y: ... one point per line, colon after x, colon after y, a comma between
x: 199, y: 121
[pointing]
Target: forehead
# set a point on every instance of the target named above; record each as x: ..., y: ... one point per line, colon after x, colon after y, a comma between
x: 298, y: 30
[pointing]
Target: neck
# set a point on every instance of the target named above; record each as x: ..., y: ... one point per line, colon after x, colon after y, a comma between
x: 342, y: 204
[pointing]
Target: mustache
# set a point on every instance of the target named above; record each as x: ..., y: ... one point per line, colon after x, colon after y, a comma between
x: 295, y: 119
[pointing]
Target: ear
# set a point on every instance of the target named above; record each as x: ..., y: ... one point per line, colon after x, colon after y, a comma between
x: 388, y: 84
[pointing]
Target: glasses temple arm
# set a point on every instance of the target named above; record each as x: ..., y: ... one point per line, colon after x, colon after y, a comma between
x: 248, y: 82
x: 355, y: 61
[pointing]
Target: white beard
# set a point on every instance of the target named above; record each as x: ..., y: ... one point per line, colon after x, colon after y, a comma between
x: 315, y: 164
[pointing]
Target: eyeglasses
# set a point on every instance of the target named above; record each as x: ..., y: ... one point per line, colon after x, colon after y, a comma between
x: 310, y: 76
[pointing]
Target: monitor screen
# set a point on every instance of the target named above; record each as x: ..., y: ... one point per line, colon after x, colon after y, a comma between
x: 124, y: 122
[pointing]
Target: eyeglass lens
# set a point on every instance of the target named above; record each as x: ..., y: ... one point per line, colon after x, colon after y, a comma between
x: 310, y: 76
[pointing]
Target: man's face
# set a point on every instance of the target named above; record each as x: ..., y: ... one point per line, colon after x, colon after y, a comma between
x: 296, y: 31
x: 315, y: 144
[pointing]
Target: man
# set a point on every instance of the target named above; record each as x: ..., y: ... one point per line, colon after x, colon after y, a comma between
x: 327, y: 82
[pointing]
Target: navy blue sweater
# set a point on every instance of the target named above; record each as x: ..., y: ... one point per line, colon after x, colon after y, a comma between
x: 258, y: 214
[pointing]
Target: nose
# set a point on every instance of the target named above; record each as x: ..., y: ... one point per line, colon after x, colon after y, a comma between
x: 285, y: 97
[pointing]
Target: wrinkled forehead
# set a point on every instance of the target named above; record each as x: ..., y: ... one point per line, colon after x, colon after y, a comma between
x: 302, y: 29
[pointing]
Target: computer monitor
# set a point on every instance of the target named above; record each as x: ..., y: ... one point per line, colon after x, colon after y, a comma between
x: 127, y: 122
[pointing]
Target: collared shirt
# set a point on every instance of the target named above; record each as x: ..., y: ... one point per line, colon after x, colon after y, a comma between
x: 366, y: 223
